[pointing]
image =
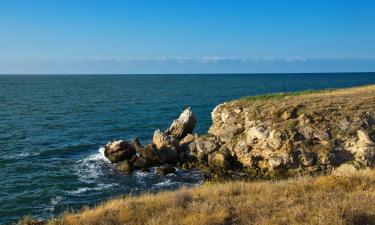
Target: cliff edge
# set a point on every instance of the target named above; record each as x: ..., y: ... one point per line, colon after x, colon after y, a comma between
x: 298, y: 132
x: 264, y: 136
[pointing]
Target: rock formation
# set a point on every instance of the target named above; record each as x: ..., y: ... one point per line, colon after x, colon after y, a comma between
x: 120, y: 150
x: 182, y: 126
x: 278, y: 135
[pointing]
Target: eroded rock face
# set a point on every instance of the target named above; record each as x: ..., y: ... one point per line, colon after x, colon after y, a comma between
x: 182, y: 126
x: 120, y: 150
x: 297, y: 134
x: 363, y: 148
x: 286, y: 135
x: 165, y: 169
x: 125, y: 166
x: 203, y: 146
x: 147, y: 153
x: 166, y: 147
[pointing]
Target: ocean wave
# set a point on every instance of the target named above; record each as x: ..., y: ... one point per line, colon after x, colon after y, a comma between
x: 21, y: 155
x: 53, y: 202
x: 166, y: 183
x: 99, y: 187
x: 90, y: 168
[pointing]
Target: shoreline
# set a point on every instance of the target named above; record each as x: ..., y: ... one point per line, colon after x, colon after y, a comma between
x: 360, y: 143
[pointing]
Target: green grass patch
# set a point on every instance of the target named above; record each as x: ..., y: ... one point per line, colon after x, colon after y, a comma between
x: 276, y: 96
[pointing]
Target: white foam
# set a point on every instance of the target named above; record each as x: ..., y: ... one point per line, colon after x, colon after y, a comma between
x: 22, y: 155
x: 90, y: 168
x: 99, y: 187
x: 99, y: 156
x: 165, y: 183
x: 54, y: 201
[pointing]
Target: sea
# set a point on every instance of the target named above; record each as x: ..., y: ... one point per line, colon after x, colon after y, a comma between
x: 53, y: 129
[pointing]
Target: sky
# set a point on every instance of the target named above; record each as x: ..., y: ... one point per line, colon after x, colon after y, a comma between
x: 186, y: 36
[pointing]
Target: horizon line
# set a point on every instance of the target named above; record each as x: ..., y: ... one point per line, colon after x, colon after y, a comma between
x: 116, y: 74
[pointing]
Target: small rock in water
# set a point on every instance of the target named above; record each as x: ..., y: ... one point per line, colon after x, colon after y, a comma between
x: 125, y: 166
x: 117, y: 151
x: 165, y: 169
x: 140, y: 163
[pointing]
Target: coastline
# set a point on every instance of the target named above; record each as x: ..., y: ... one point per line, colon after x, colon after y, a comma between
x: 363, y: 97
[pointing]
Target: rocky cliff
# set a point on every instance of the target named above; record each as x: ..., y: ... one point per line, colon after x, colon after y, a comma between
x: 280, y: 134
x: 298, y: 132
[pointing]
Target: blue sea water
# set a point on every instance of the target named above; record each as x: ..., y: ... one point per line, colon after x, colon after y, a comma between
x: 53, y: 127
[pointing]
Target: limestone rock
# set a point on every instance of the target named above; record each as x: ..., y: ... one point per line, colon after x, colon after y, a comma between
x: 140, y: 162
x: 363, y: 148
x: 166, y: 147
x: 148, y: 153
x: 120, y: 150
x: 202, y: 146
x: 226, y: 123
x: 165, y: 169
x: 182, y: 126
x: 125, y: 166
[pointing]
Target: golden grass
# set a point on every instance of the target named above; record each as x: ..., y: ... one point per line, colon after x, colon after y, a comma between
x: 345, y: 199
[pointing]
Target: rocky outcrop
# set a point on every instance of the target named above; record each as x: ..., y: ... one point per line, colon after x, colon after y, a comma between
x: 298, y: 133
x: 170, y: 146
x: 165, y: 169
x: 125, y: 166
x: 278, y: 135
x: 182, y: 126
x: 120, y: 150
x: 166, y: 147
x: 363, y: 148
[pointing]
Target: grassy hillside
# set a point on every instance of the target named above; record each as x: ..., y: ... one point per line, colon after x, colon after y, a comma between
x: 348, y: 198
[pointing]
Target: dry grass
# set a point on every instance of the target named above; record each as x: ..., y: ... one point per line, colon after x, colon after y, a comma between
x: 345, y: 199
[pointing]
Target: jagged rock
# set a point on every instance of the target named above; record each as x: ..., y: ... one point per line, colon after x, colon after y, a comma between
x: 166, y: 147
x: 147, y: 152
x: 125, y: 166
x: 291, y: 113
x: 188, y: 139
x: 165, y: 169
x: 202, y: 146
x: 182, y: 126
x: 184, y: 154
x: 120, y: 150
x: 363, y: 148
x: 279, y: 161
x: 291, y: 134
x: 226, y: 123
x: 141, y: 162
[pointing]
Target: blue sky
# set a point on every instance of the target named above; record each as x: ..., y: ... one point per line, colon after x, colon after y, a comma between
x: 186, y: 36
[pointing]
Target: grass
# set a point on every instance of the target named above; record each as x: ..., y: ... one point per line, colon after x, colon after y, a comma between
x: 277, y: 96
x: 348, y: 198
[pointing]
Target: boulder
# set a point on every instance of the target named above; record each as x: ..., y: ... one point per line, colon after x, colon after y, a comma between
x: 184, y: 154
x: 166, y: 147
x: 147, y: 152
x: 165, y: 169
x: 120, y: 150
x: 140, y: 162
x: 203, y: 146
x: 182, y: 126
x: 125, y: 166
x: 363, y: 148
